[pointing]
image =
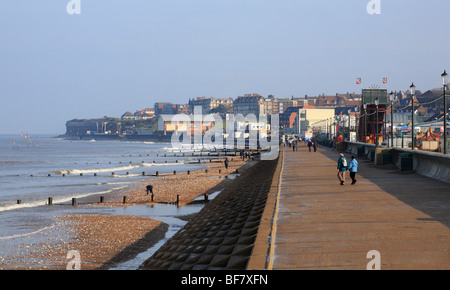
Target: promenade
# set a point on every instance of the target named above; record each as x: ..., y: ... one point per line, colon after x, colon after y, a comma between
x: 322, y: 225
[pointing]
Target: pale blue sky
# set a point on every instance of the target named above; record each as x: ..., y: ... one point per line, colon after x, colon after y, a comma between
x: 126, y: 55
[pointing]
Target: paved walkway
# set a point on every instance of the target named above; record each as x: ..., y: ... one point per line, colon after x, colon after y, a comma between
x: 322, y: 225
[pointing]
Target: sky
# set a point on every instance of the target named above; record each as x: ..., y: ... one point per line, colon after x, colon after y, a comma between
x: 117, y: 56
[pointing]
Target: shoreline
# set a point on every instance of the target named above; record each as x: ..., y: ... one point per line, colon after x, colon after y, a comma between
x: 102, y: 240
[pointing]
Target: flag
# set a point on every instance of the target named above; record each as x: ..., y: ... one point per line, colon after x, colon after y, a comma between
x: 385, y: 80
x: 358, y: 81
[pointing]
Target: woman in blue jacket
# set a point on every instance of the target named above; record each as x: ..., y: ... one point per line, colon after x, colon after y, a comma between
x: 353, y: 168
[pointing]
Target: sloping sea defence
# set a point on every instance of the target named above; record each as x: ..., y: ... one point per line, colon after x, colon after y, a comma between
x: 222, y: 235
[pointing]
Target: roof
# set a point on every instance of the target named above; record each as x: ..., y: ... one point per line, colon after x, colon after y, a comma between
x: 128, y: 114
x: 353, y: 103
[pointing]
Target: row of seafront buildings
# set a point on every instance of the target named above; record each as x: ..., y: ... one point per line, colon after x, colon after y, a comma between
x: 295, y: 114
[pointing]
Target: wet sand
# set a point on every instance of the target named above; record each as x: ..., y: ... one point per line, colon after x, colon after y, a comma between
x: 105, y: 240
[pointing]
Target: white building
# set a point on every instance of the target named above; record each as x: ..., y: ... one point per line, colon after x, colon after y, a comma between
x: 306, y: 117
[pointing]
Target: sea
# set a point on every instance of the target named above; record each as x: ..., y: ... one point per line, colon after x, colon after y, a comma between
x: 34, y: 168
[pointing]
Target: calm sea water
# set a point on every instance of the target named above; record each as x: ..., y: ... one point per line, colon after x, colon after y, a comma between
x: 36, y: 168
x: 31, y: 170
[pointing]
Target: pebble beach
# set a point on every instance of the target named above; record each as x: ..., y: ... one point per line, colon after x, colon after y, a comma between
x: 103, y: 241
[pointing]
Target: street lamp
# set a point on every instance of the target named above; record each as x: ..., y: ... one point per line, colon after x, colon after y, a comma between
x: 376, y: 132
x: 328, y: 130
x: 391, y: 98
x: 357, y: 123
x: 412, y: 89
x: 444, y: 83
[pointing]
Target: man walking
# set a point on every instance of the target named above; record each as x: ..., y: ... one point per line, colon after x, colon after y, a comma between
x: 342, y: 168
x: 309, y: 144
x: 353, y: 168
x: 226, y: 163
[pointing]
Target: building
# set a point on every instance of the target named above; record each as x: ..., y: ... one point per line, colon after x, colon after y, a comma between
x: 128, y: 116
x: 271, y: 105
x: 209, y: 105
x: 306, y: 101
x: 404, y: 118
x: 78, y: 127
x: 180, y: 109
x: 307, y: 116
x: 161, y: 108
x: 284, y: 104
x: 249, y: 104
x: 144, y: 114
x: 274, y: 105
x: 182, y: 123
x: 287, y: 119
x: 338, y: 100
x: 167, y: 108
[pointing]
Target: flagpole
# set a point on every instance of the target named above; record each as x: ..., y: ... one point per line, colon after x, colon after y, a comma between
x: 358, y: 82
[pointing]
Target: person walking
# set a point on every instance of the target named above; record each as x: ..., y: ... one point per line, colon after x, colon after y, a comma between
x: 353, y: 168
x: 315, y: 146
x: 226, y: 163
x: 342, y: 168
x: 309, y: 144
x: 149, y: 189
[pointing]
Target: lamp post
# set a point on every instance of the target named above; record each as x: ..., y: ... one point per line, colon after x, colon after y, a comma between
x: 444, y: 83
x: 391, y: 98
x: 412, y: 89
x: 357, y: 124
x: 328, y: 131
x: 376, y: 132
x: 333, y: 133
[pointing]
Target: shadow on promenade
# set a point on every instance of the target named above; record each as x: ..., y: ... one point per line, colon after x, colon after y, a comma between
x: 432, y: 197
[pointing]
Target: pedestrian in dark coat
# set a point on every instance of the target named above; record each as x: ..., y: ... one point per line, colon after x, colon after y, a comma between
x: 309, y: 145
